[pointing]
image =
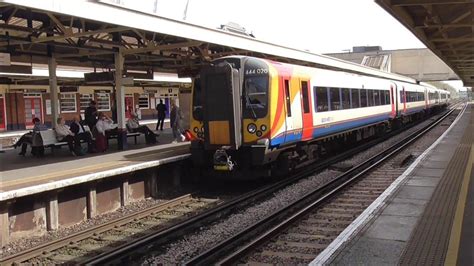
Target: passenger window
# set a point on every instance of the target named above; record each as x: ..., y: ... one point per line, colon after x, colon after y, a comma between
x: 363, y: 98
x: 370, y: 97
x: 335, y: 99
x: 287, y: 98
x: 346, y: 98
x: 376, y: 97
x: 387, y: 97
x: 382, y: 97
x: 402, y: 98
x: 304, y: 91
x: 355, y: 98
x: 321, y: 95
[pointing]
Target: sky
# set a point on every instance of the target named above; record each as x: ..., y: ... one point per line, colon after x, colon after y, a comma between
x: 319, y: 26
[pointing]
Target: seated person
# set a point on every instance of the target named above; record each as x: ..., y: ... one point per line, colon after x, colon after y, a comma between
x: 28, y: 138
x: 63, y: 133
x: 103, y: 128
x: 81, y: 134
x: 133, y: 125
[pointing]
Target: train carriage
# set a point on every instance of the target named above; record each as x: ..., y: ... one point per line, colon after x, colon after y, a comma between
x: 250, y: 112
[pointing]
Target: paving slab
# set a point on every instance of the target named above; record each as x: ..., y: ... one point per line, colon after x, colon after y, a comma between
x: 415, y: 192
x: 428, y: 172
x: 405, y: 207
x: 369, y: 251
x: 423, y: 181
x: 434, y: 164
x: 392, y: 227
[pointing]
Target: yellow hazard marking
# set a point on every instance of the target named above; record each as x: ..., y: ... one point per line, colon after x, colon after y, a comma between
x: 455, y: 238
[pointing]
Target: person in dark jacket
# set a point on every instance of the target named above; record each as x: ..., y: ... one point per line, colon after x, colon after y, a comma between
x: 80, y: 133
x: 90, y: 115
x: 28, y: 139
x: 161, y: 108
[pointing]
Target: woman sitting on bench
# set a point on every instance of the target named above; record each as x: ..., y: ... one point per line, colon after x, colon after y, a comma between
x: 28, y: 139
x: 102, y: 127
x: 63, y: 133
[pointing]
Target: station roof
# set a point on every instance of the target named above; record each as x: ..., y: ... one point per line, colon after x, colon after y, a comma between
x: 88, y: 33
x: 444, y: 26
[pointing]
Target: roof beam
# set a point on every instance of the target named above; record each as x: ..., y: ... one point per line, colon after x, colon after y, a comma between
x: 463, y: 39
x: 428, y: 2
x: 449, y: 25
x: 161, y: 47
x: 78, y: 34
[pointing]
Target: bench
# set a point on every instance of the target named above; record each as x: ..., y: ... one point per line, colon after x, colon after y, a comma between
x: 50, y: 141
x: 129, y: 135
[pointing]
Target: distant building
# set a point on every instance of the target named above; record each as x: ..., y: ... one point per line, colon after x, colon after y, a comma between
x: 420, y: 64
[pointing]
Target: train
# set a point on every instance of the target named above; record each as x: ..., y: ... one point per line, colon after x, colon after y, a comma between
x: 253, y: 115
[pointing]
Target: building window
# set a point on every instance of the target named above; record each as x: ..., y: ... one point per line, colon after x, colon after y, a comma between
x: 103, y: 101
x: 144, y: 101
x: 67, y: 103
x: 85, y: 100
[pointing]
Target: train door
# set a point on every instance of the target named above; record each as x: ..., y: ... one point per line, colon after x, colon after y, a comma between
x: 307, y: 113
x: 393, y: 99
x: 287, y: 94
x: 403, y: 97
x: 3, y: 118
x: 294, y: 122
x: 33, y: 108
x: 128, y: 106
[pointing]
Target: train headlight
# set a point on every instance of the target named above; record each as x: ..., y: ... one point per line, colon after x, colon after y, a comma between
x: 252, y: 128
x: 196, y: 130
x: 259, y: 133
x: 263, y: 127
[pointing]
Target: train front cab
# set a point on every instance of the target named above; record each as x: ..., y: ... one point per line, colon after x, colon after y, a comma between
x: 230, y: 118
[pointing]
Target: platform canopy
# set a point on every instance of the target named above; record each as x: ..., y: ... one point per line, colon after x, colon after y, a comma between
x: 88, y: 34
x: 445, y: 27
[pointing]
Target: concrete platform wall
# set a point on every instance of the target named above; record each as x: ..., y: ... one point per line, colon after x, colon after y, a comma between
x: 36, y: 214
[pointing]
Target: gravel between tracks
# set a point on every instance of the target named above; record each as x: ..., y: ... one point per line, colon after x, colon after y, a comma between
x: 191, y: 245
x: 27, y: 243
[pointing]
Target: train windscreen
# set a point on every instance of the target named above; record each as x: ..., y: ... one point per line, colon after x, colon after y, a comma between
x: 255, y: 89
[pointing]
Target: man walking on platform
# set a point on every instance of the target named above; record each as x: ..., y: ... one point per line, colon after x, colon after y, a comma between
x: 161, y: 108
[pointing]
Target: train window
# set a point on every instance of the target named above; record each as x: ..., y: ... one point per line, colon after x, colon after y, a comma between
x: 335, y: 99
x: 382, y: 97
x: 387, y: 97
x: 346, y: 98
x: 370, y: 98
x: 287, y: 98
x: 321, y: 99
x: 355, y: 98
x: 363, y: 98
x: 376, y: 97
x: 402, y: 97
x: 304, y: 90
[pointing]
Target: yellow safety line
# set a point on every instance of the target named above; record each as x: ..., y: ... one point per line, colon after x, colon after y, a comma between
x: 455, y: 238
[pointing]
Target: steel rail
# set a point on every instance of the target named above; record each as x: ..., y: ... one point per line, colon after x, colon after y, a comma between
x: 61, y: 242
x: 302, y: 206
x: 129, y: 251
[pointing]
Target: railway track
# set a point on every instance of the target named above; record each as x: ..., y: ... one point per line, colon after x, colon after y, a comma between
x: 142, y: 246
x: 78, y: 247
x: 297, y: 233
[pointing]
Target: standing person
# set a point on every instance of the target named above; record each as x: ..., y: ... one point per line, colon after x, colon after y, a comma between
x: 161, y: 109
x: 63, y: 133
x: 138, y: 112
x: 175, y: 121
x: 91, y: 115
x: 81, y: 134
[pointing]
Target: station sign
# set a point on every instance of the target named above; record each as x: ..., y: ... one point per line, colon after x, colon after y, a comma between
x: 68, y: 89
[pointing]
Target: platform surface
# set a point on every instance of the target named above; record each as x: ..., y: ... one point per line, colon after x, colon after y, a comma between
x: 32, y: 174
x: 427, y: 219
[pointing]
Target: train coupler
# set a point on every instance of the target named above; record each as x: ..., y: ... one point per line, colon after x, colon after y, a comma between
x: 223, y: 161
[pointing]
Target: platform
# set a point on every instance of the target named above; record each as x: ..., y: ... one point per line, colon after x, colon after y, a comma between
x: 22, y: 176
x: 425, y: 217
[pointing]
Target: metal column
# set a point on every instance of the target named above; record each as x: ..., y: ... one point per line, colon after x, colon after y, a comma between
x: 120, y: 102
x: 53, y: 88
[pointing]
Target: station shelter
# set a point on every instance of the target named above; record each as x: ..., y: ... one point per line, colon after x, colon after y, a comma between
x: 19, y: 104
